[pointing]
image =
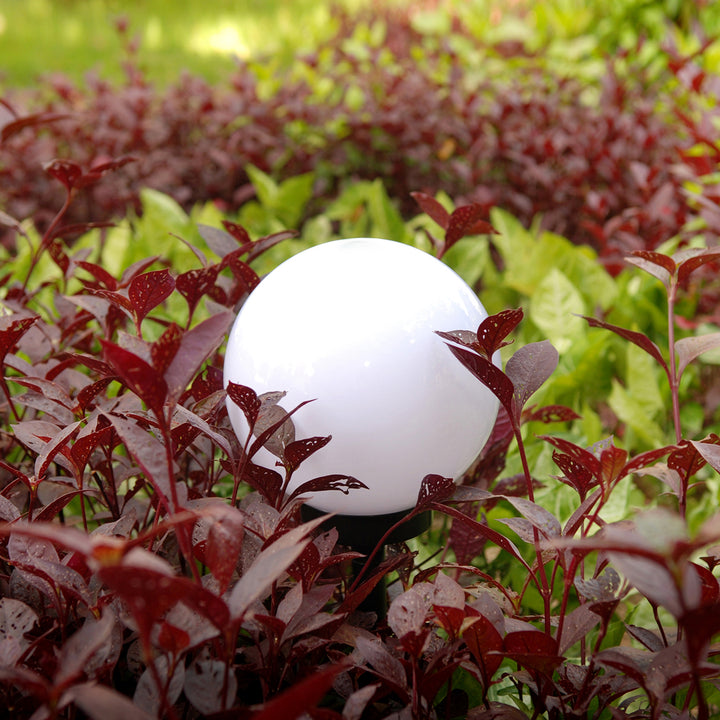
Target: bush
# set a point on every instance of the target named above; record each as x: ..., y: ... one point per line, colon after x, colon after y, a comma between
x: 150, y: 568
x: 487, y: 124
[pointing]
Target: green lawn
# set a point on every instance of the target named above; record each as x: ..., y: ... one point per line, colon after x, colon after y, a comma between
x: 74, y: 36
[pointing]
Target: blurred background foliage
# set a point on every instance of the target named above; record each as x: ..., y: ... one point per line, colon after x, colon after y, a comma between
x: 38, y: 37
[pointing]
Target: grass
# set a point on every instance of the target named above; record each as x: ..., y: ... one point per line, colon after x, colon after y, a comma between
x: 46, y: 36
x: 72, y: 37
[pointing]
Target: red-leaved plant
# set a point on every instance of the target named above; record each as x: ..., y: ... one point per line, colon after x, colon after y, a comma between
x: 150, y: 568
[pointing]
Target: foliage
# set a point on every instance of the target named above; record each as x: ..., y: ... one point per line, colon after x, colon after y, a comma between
x: 149, y: 567
x: 607, y: 165
x: 73, y: 37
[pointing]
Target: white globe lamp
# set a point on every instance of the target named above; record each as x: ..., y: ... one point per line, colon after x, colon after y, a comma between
x: 351, y: 324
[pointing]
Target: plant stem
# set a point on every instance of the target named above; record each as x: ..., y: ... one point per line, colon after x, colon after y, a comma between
x: 672, y: 365
x: 544, y: 587
x: 47, y: 237
x: 181, y: 530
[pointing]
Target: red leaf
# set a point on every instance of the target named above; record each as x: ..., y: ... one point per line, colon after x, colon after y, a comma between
x: 237, y: 231
x: 165, y: 348
x: 465, y: 542
x: 196, y: 346
x: 651, y: 577
x: 484, y: 531
x: 266, y: 481
x: 689, y: 457
x: 148, y: 452
x: 659, y: 265
x: 689, y: 348
x: 150, y: 594
x: 494, y: 329
x: 58, y: 444
x: 88, y: 649
x: 540, y: 518
x: 148, y: 291
x: 193, y: 284
x: 528, y: 369
x: 488, y: 374
x: 644, y: 459
x: 637, y: 338
x: 58, y: 255
x: 223, y: 546
x: 385, y: 664
x: 430, y: 206
x: 265, y: 243
x: 269, y: 566
x: 710, y: 590
x: 96, y: 172
x: 465, y: 220
x: 247, y: 279
x: 301, y: 697
x: 50, y: 511
x: 576, y: 474
x: 533, y: 649
x: 434, y: 489
x: 90, y: 392
x: 486, y: 644
x: 146, y: 382
x: 497, y: 711
x: 100, y: 702
x: 246, y: 399
x: 306, y: 567
x: 577, y: 625
x: 612, y: 464
x: 78, y: 228
x: 68, y: 173
x: 277, y: 424
x: 450, y: 619
x: 408, y: 612
x: 343, y: 483
x: 15, y: 126
x: 172, y: 639
x: 205, y: 681
x: 579, y: 454
x: 710, y: 452
x: 117, y: 299
x: 699, y: 257
x: 549, y: 414
x: 298, y: 451
x: 11, y: 330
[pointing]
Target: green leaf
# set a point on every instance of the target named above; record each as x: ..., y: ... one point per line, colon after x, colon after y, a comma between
x: 530, y: 258
x: 386, y: 220
x: 157, y: 232
x: 292, y: 199
x: 642, y: 381
x: 265, y: 187
x: 623, y: 500
x: 470, y: 259
x: 554, y: 308
x: 162, y: 209
x: 631, y: 411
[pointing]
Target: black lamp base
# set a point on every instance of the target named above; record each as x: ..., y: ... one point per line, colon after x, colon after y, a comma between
x: 362, y: 533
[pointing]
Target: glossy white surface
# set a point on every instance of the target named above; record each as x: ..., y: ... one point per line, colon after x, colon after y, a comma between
x: 351, y: 324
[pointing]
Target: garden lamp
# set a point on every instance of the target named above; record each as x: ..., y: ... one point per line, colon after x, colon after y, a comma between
x: 351, y: 325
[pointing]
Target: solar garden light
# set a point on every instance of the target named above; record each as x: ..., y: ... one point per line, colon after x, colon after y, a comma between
x: 351, y: 325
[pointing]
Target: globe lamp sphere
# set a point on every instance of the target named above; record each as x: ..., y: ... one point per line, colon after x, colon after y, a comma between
x: 351, y: 325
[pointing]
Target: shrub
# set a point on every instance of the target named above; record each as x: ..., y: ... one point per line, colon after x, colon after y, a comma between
x: 487, y: 124
x: 150, y: 568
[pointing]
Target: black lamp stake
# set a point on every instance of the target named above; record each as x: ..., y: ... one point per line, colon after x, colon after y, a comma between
x: 362, y: 533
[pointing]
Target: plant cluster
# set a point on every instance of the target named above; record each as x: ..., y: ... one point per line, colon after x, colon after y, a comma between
x: 424, y: 111
x: 150, y: 568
